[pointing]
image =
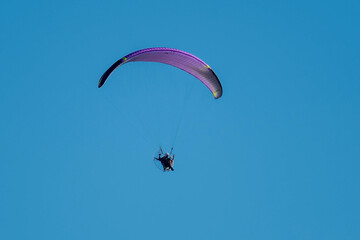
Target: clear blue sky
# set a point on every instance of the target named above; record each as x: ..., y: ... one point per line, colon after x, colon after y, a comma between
x: 277, y: 157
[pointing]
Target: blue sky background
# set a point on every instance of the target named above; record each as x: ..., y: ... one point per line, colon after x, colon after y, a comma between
x: 277, y: 157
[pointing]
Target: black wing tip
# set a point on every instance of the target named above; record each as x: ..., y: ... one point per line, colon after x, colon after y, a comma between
x: 100, y: 83
x: 218, y: 95
x: 103, y: 78
x: 108, y: 72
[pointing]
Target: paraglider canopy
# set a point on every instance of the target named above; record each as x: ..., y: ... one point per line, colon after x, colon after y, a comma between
x: 176, y: 58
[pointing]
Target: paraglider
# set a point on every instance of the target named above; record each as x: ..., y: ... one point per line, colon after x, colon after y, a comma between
x: 166, y: 160
x: 177, y: 58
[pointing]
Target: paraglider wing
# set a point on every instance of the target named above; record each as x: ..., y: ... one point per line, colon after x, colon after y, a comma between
x: 176, y: 58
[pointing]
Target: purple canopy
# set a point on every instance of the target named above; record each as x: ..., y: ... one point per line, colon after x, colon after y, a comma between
x: 176, y: 58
